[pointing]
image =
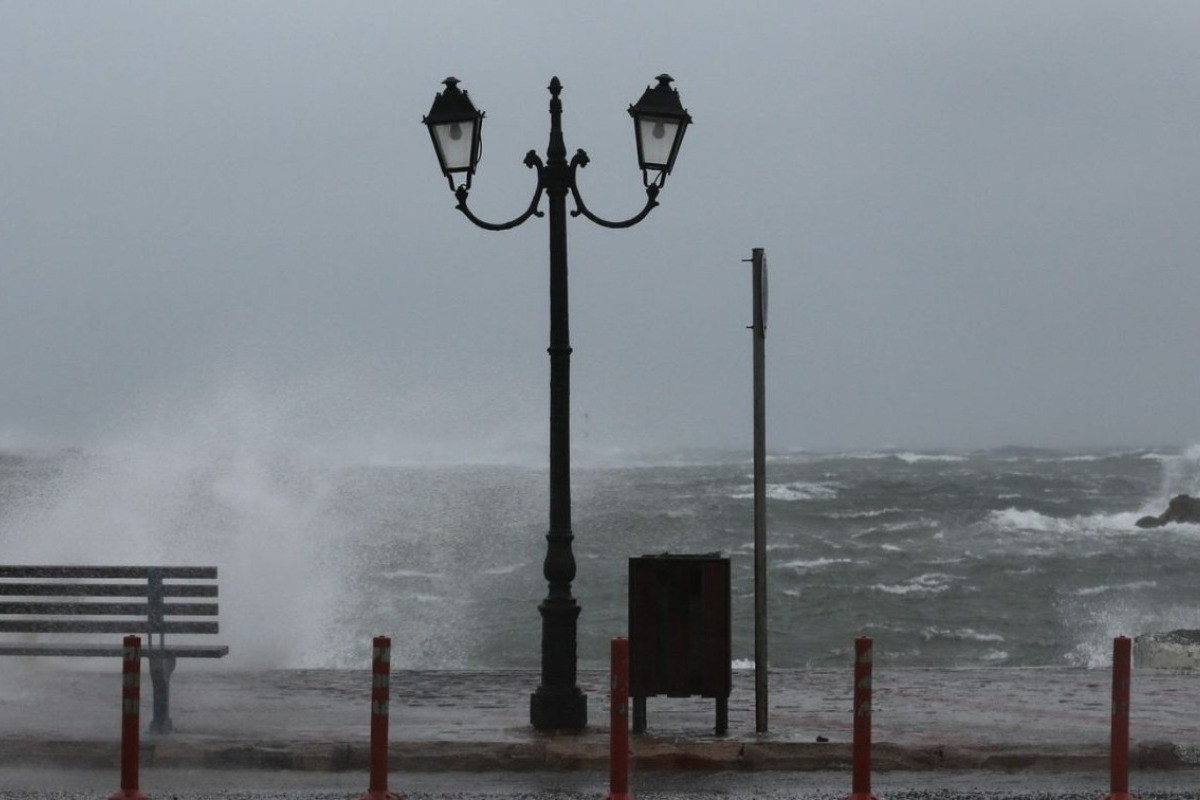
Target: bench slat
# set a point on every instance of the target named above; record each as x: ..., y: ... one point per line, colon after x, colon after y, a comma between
x: 34, y: 571
x: 103, y: 626
x: 105, y: 650
x: 104, y: 590
x: 110, y: 609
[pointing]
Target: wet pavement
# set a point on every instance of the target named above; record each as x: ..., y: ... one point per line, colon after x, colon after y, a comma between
x: 67, y: 712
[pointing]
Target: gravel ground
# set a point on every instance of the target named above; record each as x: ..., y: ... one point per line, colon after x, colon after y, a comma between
x: 259, y: 785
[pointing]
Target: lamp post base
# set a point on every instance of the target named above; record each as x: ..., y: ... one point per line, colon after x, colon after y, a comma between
x: 562, y: 710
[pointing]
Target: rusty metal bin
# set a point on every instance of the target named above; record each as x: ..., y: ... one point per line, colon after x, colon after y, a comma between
x: 679, y: 631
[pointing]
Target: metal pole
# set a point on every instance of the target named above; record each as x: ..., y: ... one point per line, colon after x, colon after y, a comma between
x: 558, y: 702
x: 618, y: 743
x: 760, y: 494
x: 861, y: 759
x: 131, y: 700
x: 381, y: 672
x: 1119, y: 744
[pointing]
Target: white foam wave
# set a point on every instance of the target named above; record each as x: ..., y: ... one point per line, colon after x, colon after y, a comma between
x: 929, y: 583
x: 411, y: 573
x: 816, y: 563
x: 1089, y: 591
x: 1024, y: 521
x: 879, y: 512
x: 425, y: 598
x: 915, y: 458
x: 907, y: 457
x: 898, y: 527
x: 790, y: 492
x: 965, y: 634
x: 505, y: 570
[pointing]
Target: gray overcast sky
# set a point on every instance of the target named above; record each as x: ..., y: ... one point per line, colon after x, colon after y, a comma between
x: 225, y: 218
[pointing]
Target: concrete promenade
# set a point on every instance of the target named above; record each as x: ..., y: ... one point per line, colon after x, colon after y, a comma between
x: 59, y: 713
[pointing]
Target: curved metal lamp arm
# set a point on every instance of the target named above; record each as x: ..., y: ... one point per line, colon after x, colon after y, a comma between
x: 581, y: 160
x: 532, y: 161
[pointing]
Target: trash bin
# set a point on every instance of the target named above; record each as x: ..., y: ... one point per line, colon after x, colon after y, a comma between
x: 679, y: 631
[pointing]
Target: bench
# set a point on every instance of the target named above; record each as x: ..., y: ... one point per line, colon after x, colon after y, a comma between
x: 59, y: 601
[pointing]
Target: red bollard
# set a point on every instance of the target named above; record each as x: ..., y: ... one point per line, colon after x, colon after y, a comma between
x: 861, y: 788
x: 1119, y: 755
x: 131, y: 699
x: 381, y: 672
x: 618, y: 752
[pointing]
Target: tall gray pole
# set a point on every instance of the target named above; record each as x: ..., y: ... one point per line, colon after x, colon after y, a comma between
x: 759, y: 262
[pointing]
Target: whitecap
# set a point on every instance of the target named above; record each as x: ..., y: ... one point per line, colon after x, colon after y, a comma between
x: 816, y: 563
x: 929, y: 583
x: 423, y: 598
x: 967, y: 634
x: 913, y: 458
x: 1026, y: 521
x: 789, y: 492
x: 412, y: 573
x: 865, y: 514
x: 1088, y: 591
x: 506, y: 570
x: 898, y: 527
x: 867, y: 455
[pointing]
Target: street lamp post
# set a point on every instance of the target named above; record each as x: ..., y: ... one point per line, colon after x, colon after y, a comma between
x: 455, y: 127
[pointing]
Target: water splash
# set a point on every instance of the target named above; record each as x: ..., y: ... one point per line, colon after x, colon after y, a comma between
x: 214, y: 486
x: 1181, y: 475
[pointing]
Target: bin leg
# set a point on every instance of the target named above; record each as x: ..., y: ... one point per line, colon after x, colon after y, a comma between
x: 722, y: 716
x: 639, y: 715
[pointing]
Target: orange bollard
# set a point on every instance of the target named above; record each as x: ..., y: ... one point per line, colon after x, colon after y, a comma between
x: 861, y: 787
x: 131, y: 700
x: 1119, y: 750
x: 618, y: 750
x: 381, y: 672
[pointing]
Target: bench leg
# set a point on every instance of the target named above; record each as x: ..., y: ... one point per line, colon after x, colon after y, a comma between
x: 160, y: 676
x: 639, y: 715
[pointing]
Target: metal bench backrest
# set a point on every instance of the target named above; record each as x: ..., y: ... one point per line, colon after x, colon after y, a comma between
x: 65, y: 601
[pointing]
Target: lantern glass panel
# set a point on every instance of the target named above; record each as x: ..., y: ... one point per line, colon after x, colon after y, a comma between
x: 656, y: 136
x: 455, y: 141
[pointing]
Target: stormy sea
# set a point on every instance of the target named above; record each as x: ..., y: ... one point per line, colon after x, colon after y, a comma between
x: 1004, y: 557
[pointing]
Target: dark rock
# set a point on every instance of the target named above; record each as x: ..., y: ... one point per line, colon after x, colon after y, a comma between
x: 1177, y: 649
x: 1182, y: 508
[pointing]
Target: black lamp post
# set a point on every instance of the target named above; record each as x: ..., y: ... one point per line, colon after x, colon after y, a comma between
x: 659, y: 124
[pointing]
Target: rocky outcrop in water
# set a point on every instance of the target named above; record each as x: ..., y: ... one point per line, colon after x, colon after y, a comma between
x: 1182, y: 508
x: 1178, y: 649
